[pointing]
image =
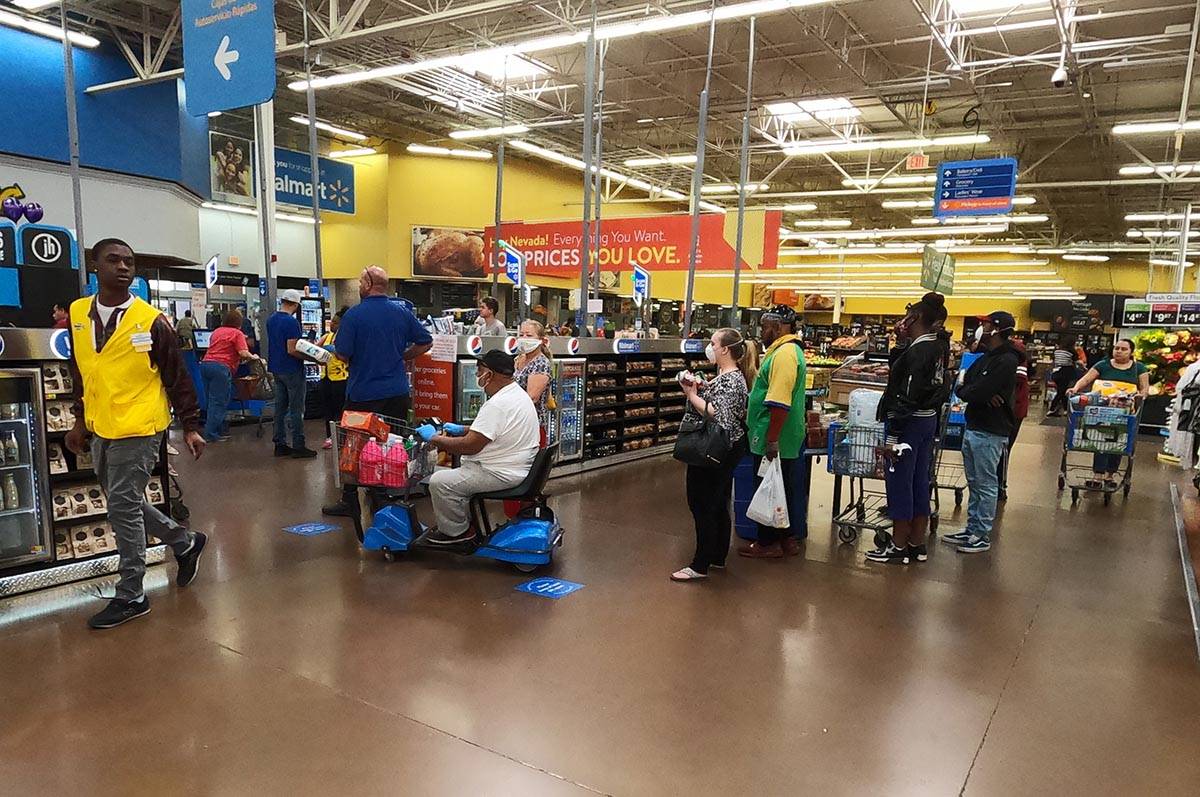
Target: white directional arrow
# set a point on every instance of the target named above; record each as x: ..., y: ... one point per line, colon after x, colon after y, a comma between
x: 224, y: 58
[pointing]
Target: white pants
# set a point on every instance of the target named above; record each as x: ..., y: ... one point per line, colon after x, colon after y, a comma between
x: 451, y: 492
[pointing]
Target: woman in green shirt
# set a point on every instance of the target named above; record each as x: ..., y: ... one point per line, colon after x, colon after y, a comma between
x: 1121, y: 367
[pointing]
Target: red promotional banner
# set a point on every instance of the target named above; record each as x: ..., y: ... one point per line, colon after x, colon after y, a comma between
x: 657, y: 243
x: 433, y: 388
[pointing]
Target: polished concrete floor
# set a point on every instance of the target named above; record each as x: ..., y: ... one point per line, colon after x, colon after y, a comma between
x: 1060, y: 663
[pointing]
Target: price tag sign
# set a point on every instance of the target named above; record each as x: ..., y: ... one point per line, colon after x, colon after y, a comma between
x: 1164, y: 314
x: 1189, y: 315
x: 1135, y: 314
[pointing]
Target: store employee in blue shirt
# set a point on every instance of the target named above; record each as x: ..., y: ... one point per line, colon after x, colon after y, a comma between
x: 287, y: 365
x: 378, y: 338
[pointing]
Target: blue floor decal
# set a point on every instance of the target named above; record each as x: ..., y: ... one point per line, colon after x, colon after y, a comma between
x: 549, y: 587
x: 310, y: 529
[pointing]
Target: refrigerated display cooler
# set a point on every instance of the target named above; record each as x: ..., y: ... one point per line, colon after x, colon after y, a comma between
x: 566, y: 426
x: 53, y: 520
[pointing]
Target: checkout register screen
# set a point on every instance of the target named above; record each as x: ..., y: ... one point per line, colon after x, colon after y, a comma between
x: 202, y: 337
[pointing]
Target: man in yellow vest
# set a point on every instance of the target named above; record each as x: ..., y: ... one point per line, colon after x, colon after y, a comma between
x: 127, y: 363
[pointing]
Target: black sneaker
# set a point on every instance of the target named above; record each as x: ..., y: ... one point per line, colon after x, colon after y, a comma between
x: 190, y: 561
x: 890, y: 556
x: 119, y: 611
x: 340, y: 509
x: 302, y: 453
x: 282, y: 450
x: 918, y: 553
x: 1002, y: 496
x: 436, y: 537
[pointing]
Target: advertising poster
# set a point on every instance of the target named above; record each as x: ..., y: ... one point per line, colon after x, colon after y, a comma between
x: 433, y: 388
x: 231, y: 168
x: 447, y: 253
x: 657, y: 243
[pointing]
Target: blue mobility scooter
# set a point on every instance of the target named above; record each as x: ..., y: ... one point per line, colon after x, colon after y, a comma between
x: 527, y: 541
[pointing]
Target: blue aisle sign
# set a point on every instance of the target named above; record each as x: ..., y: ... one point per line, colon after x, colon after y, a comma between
x: 228, y: 54
x: 549, y: 587
x: 210, y: 272
x: 641, y: 285
x: 293, y: 181
x: 975, y: 188
x: 262, y: 286
x: 314, y: 288
x: 514, y: 264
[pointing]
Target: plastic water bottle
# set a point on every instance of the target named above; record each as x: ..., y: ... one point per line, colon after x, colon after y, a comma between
x: 370, y: 463
x: 395, y: 465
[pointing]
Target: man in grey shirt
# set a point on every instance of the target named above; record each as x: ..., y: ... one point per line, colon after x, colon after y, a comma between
x: 487, y: 323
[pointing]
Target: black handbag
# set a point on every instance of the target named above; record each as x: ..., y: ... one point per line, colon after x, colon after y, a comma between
x: 702, y: 441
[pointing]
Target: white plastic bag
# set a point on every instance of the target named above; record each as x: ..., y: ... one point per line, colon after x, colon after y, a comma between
x: 769, y: 504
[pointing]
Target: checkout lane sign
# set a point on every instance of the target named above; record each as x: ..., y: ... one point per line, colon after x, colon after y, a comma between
x: 641, y: 285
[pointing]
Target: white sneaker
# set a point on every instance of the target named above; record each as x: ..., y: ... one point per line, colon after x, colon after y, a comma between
x: 172, y: 450
x: 687, y: 574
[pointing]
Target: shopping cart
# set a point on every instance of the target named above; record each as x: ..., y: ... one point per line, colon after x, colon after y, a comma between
x: 948, y: 471
x: 856, y: 453
x: 387, y: 473
x: 1098, y: 430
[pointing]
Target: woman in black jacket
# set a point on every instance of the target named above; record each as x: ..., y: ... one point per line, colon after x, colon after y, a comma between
x: 917, y: 387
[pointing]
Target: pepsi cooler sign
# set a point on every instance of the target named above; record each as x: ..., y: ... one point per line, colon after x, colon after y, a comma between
x: 293, y: 181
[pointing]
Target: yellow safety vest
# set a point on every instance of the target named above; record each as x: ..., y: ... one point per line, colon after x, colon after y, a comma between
x: 123, y: 395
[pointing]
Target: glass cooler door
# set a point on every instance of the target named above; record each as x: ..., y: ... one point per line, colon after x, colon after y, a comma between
x: 470, y: 395
x: 568, y: 386
x: 24, y: 533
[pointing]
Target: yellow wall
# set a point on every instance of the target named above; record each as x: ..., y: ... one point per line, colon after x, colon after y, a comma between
x: 348, y: 243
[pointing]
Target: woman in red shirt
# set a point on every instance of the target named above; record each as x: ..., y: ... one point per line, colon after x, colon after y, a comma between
x: 226, y: 349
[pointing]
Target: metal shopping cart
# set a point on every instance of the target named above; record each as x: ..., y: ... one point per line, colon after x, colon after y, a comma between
x: 387, y: 473
x: 1098, y: 430
x: 856, y: 453
x: 948, y: 471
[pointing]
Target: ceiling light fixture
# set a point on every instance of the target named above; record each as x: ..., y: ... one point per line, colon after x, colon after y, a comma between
x: 618, y: 30
x: 854, y: 235
x: 661, y: 160
x: 895, y: 179
x: 422, y: 149
x: 800, y: 207
x: 1158, y: 168
x: 834, y: 109
x: 1143, y: 128
x: 488, y: 132
x: 1153, y: 217
x: 1087, y: 258
x: 359, y: 151
x: 867, y: 145
x: 827, y: 223
x: 575, y: 163
x: 730, y: 188
x: 912, y: 204
x: 353, y: 135
x: 1161, y: 233
x: 12, y: 20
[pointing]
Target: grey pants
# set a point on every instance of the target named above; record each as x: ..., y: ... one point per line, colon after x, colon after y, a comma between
x: 451, y: 492
x: 124, y: 468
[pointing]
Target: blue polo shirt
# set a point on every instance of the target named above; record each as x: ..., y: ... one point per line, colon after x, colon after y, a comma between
x: 282, y: 327
x: 374, y: 335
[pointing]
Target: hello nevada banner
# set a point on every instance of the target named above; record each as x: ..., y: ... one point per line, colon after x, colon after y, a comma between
x: 657, y: 243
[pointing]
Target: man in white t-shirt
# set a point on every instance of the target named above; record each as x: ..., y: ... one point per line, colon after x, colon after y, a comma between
x: 496, y: 451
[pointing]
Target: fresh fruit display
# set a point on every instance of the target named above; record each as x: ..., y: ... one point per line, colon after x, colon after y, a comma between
x: 1165, y: 355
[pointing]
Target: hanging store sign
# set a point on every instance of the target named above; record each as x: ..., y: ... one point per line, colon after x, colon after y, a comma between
x: 937, y: 271
x: 228, y: 54
x: 47, y: 245
x: 975, y: 188
x: 656, y: 243
x: 293, y: 181
x: 1162, y: 310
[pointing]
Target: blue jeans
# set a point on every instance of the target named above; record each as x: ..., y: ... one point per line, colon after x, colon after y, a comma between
x: 289, y: 403
x: 981, y: 452
x: 218, y: 385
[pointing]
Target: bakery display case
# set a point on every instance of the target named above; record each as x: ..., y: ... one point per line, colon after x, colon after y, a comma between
x: 869, y: 370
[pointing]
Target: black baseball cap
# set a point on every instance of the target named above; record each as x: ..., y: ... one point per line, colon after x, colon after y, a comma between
x: 1000, y: 320
x: 499, y: 362
x: 781, y: 313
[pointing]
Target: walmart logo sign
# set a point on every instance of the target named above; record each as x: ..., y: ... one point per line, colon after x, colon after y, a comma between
x: 293, y: 181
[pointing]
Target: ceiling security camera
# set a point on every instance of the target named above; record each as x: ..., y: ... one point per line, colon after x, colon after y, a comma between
x: 1059, y: 78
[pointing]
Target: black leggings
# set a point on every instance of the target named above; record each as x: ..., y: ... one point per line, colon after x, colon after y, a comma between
x: 333, y: 396
x: 709, y: 492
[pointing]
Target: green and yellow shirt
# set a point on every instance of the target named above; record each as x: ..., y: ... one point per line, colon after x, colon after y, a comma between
x: 780, y: 383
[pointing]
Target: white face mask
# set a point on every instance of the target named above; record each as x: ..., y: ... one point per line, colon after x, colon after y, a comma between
x: 978, y: 334
x: 482, y: 381
x: 527, y: 345
x: 710, y: 353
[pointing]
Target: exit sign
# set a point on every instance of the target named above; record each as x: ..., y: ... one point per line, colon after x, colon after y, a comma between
x: 916, y: 161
